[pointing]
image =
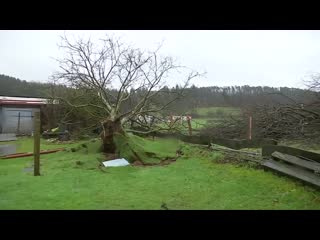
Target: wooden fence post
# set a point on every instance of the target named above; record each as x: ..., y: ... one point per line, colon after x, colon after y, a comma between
x: 36, y: 150
x: 189, y: 125
x: 250, y: 128
x: 18, y: 128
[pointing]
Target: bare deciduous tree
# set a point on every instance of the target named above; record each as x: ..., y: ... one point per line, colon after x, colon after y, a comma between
x: 108, y: 76
x: 314, y: 82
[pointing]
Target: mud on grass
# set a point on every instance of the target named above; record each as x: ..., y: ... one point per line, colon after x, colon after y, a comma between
x: 162, y: 162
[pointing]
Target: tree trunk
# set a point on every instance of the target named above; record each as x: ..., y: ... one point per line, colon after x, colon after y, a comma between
x: 110, y: 127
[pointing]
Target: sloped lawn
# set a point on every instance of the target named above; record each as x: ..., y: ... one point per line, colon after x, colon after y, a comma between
x: 195, y: 181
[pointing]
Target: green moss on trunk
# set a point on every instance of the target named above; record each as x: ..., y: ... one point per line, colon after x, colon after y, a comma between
x: 134, y: 148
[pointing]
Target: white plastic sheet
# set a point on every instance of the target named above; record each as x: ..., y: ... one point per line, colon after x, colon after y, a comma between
x: 116, y: 163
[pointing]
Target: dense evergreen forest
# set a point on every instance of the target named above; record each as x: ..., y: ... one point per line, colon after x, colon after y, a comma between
x: 10, y: 86
x: 236, y: 96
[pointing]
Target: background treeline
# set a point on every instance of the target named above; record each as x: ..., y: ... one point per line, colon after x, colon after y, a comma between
x: 234, y: 96
x: 10, y: 86
x: 277, y: 112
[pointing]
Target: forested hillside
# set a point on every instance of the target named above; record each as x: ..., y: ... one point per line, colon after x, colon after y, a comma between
x: 10, y: 86
x: 235, y: 96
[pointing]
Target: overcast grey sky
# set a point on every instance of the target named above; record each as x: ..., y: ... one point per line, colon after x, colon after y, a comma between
x: 268, y: 58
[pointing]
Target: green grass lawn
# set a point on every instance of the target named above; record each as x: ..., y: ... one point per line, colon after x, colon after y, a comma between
x: 25, y: 144
x: 195, y: 181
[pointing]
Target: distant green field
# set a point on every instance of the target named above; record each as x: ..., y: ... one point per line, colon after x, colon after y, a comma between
x: 217, y: 110
x: 208, y: 116
x: 212, y: 116
x: 198, y: 123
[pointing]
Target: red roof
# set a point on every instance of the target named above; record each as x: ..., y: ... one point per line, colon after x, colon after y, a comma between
x: 22, y: 101
x: 8, y: 102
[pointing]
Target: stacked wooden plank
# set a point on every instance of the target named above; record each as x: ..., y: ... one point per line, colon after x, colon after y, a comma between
x: 299, y: 167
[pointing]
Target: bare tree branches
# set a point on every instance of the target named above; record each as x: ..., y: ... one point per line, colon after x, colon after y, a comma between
x: 116, y: 74
x: 314, y: 82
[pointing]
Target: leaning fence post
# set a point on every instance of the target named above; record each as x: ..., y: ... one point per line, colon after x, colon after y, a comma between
x: 36, y: 150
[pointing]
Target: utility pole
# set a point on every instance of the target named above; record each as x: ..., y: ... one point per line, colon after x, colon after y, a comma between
x: 36, y: 150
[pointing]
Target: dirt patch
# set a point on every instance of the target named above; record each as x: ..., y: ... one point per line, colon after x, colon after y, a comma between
x: 163, y: 162
x: 137, y: 163
x: 167, y: 161
x: 110, y: 156
x: 79, y: 162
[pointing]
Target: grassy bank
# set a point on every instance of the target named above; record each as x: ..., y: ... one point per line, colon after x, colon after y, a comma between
x: 194, y: 181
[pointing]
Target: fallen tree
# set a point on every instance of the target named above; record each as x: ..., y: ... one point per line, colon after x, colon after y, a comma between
x: 115, y: 84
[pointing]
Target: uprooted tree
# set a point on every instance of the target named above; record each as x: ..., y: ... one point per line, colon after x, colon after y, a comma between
x: 116, y: 84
